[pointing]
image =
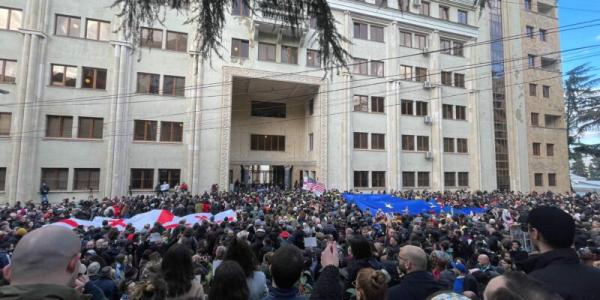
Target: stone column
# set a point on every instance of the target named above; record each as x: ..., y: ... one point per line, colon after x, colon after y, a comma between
x: 287, y: 177
x: 437, y: 137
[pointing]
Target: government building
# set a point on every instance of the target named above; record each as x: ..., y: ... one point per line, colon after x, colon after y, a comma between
x: 438, y: 95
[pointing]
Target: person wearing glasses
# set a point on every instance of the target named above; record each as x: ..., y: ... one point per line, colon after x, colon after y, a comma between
x: 417, y: 283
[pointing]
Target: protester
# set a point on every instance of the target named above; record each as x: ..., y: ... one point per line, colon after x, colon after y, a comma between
x: 417, y: 284
x: 557, y: 266
x: 240, y: 252
x: 517, y: 286
x: 287, y: 264
x: 370, y: 285
x: 229, y: 282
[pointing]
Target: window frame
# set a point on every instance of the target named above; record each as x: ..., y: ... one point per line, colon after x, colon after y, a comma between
x: 402, y: 37
x: 276, y: 143
x: 311, y: 141
x: 459, y: 80
x: 377, y: 38
x: 421, y: 108
x: 462, y: 145
x: 144, y: 172
x: 91, y: 183
x: 408, y: 142
x: 378, y: 141
x: 95, y: 77
x: 463, y: 13
x: 239, y: 8
x: 65, y: 131
x: 535, y: 117
x: 68, y: 34
x: 529, y: 31
x: 9, y: 14
x: 361, y: 179
x: 551, y: 179
x: 450, y: 179
x: 378, y: 104
x: 447, y: 109
x: 423, y: 179
x: 266, y: 47
x: 150, y: 79
x: 462, y: 179
x: 173, y: 136
x: 150, y: 129
x: 408, y: 179
x: 537, y: 149
x: 3, y: 65
x: 175, y: 90
x: 315, y: 56
x: 267, y: 109
x: 378, y: 179
x: 545, y: 91
x: 538, y: 179
x: 151, y: 43
x: 444, y: 13
x: 290, y: 52
x: 243, y: 45
x: 446, y: 78
x: 173, y: 176
x: 422, y: 10
x: 449, y: 146
x: 56, y: 183
x: 406, y: 72
x: 460, y: 112
x: 2, y: 179
x: 549, y: 150
x: 543, y: 36
x: 178, y: 41
x: 533, y: 90
x: 92, y: 131
x: 406, y: 107
x: 8, y: 120
x: 359, y: 34
x: 362, y: 104
x: 64, y: 72
x: 423, y: 143
x: 360, y: 140
x: 98, y: 30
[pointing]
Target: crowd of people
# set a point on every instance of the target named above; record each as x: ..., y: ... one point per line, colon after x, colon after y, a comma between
x: 295, y: 245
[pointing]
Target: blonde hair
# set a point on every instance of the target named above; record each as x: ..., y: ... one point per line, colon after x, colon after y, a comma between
x: 371, y: 284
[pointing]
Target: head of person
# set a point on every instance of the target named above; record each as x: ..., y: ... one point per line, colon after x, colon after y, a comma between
x: 48, y: 255
x: 360, y: 248
x: 412, y: 259
x: 240, y: 251
x: 370, y: 285
x: 177, y: 270
x: 516, y: 245
x: 550, y: 228
x: 229, y: 282
x: 483, y: 260
x: 286, y: 267
x: 516, y: 286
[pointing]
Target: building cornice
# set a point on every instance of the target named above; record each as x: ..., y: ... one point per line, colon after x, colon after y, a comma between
x: 33, y: 32
x: 394, y: 15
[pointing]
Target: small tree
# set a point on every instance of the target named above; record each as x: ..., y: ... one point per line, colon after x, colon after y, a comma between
x: 594, y: 168
x: 579, y: 167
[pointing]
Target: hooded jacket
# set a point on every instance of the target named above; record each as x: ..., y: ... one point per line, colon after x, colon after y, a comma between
x: 561, y: 271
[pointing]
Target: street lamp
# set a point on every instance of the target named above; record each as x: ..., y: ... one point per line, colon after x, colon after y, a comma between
x: 4, y: 92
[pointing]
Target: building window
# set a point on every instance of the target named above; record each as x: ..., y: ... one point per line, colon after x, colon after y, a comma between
x: 405, y: 39
x: 361, y: 140
x: 86, y: 179
x: 447, y: 78
x: 406, y: 72
x: 532, y: 89
x: 177, y: 41
x: 148, y: 83
x: 10, y: 18
x: 261, y: 142
x: 142, y: 179
x: 64, y: 75
x: 377, y: 33
x: 173, y: 85
x: 459, y: 80
x: 425, y: 8
x: 312, y: 23
x: 171, y: 131
x: 239, y: 8
x: 239, y: 48
x: 531, y: 61
x: 378, y: 179
x: 449, y: 179
x: 420, y: 74
x: 361, y: 66
x: 422, y: 143
x: 68, y: 26
x: 529, y: 31
x: 144, y: 130
x: 93, y: 78
x: 445, y: 46
x: 536, y: 149
x: 408, y: 142
x: 59, y: 126
x: 552, y: 179
x: 377, y: 68
x: 449, y: 145
x: 170, y: 176
x: 542, y: 35
x: 444, y: 13
x: 361, y: 179
x: 378, y: 141
x: 268, y: 109
x: 527, y: 5
x: 463, y: 17
x: 151, y: 38
x: 5, y: 121
x: 421, y: 108
x: 461, y: 112
x: 313, y: 58
x: 408, y: 179
x: 406, y: 107
x: 266, y: 52
x: 462, y: 146
x: 90, y: 128
x: 377, y: 104
x: 361, y: 31
x: 420, y: 41
x: 546, y: 91
x: 538, y: 179
x: 361, y: 103
x: 311, y: 141
x: 97, y: 30
x: 2, y: 179
x: 447, y: 111
x: 463, y: 179
x: 458, y: 49
x: 535, y: 119
x: 289, y: 55
x: 311, y: 106
x: 423, y: 179
x: 8, y: 71
x: 549, y: 149
x: 552, y: 121
x: 55, y: 178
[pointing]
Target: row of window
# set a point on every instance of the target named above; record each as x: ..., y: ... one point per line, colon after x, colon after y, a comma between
x: 406, y: 73
x: 146, y: 130
x: 454, y: 112
x: 459, y: 79
x: 361, y: 141
x: 71, y: 26
x: 259, y: 142
x: 415, y: 179
x: 538, y: 179
x: 361, y: 179
x: 451, y: 47
x: 550, y: 121
x: 545, y: 62
x: 62, y: 127
x: 148, y: 83
x: 362, y: 66
x: 64, y: 75
x: 408, y: 143
x: 85, y: 179
x: 461, y: 145
x: 530, y: 31
x: 361, y: 103
x: 268, y: 52
x: 538, y: 152
x: 413, y: 108
x: 425, y: 9
x: 533, y: 90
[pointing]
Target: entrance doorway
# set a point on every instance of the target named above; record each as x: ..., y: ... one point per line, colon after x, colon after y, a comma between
x: 268, y: 175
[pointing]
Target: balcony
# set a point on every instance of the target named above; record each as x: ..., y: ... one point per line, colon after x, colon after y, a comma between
x: 272, y: 21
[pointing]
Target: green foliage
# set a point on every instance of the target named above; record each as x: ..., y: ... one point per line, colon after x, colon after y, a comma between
x: 578, y: 168
x: 594, y: 168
